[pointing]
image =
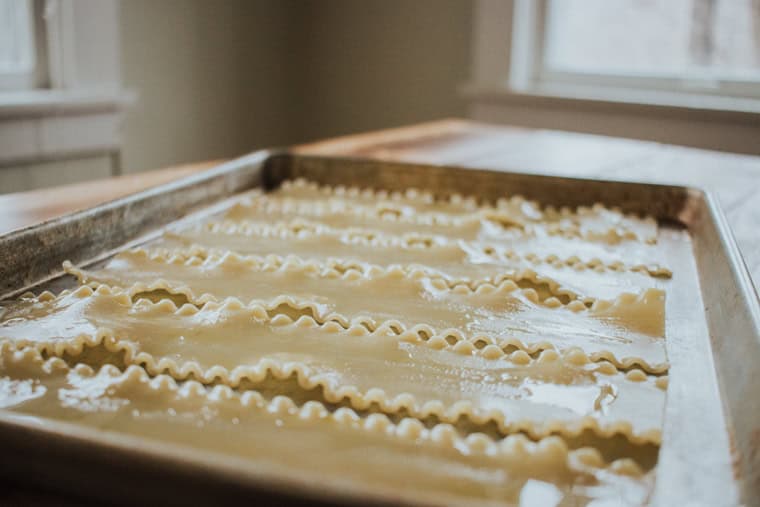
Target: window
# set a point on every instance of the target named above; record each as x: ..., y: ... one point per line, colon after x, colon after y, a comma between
x: 673, y: 71
x: 60, y: 85
x: 18, y: 59
x: 61, y: 46
x: 704, y: 47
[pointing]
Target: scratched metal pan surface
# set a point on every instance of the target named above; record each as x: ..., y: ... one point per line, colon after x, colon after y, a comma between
x: 709, y: 453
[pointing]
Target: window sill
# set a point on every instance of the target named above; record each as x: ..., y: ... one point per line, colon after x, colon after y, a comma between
x: 621, y: 101
x: 41, y: 103
x: 43, y: 125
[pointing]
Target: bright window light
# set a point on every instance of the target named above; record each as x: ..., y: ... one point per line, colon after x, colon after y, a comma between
x: 708, y: 39
x: 17, y: 51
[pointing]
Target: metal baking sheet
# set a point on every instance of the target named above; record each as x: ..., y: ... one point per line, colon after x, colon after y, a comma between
x: 710, y: 451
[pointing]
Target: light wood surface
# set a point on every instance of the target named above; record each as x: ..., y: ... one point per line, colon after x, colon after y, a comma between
x: 22, y: 209
x: 735, y: 179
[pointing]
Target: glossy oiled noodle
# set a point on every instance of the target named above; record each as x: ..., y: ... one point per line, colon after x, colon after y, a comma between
x: 481, y: 228
x: 371, y: 454
x: 627, y: 330
x: 454, y: 260
x: 596, y: 223
x: 231, y: 343
x: 449, y: 316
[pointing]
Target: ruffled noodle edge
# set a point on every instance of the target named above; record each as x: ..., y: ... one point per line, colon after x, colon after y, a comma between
x: 360, y: 400
x: 360, y: 323
x: 299, y: 229
x: 416, y: 196
x: 351, y: 271
x: 354, y: 271
x: 510, y: 450
x: 426, y: 197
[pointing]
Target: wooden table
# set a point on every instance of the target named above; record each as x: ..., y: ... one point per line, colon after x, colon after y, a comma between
x: 734, y: 178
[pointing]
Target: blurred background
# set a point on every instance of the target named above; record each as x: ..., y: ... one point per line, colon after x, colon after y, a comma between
x: 93, y: 88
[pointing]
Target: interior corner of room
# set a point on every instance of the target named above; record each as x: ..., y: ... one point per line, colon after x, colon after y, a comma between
x: 175, y: 81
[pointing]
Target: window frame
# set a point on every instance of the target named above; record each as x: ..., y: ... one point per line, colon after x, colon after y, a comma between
x: 528, y: 72
x: 78, y: 109
x: 498, y: 90
x: 27, y: 78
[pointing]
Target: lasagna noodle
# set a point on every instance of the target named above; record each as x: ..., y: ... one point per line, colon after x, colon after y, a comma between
x: 628, y: 330
x: 456, y: 261
x: 230, y: 343
x: 484, y: 228
x: 596, y: 222
x: 419, y: 201
x: 371, y: 454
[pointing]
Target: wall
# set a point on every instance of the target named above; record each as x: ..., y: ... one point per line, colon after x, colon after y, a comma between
x: 213, y: 79
x: 22, y: 177
x: 375, y: 63
x: 217, y: 79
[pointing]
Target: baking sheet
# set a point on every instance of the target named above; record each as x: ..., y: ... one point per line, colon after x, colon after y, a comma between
x: 711, y: 425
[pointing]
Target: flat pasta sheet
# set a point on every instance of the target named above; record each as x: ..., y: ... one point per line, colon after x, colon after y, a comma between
x: 370, y: 452
x: 457, y: 261
x: 231, y: 343
x: 628, y: 330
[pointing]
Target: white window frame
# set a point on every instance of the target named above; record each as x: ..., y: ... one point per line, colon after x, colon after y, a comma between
x: 530, y: 24
x: 508, y: 52
x: 502, y: 89
x: 83, y: 44
x: 79, y: 112
x: 26, y: 78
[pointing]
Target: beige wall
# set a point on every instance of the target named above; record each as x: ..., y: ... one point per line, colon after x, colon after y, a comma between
x: 212, y: 79
x: 23, y: 177
x: 380, y: 63
x: 217, y: 79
